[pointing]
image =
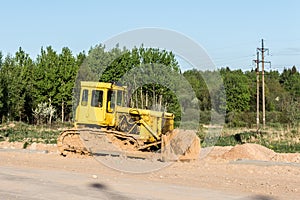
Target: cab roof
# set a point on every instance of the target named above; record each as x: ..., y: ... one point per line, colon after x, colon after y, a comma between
x: 101, y: 85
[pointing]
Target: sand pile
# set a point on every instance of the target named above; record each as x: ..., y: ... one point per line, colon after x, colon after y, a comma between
x: 250, y: 152
x: 256, y: 152
x: 287, y: 157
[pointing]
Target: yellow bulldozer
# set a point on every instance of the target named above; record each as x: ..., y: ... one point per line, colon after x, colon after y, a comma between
x: 105, y: 125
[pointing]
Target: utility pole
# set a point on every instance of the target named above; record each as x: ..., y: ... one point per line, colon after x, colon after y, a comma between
x: 263, y: 50
x: 263, y: 81
x: 257, y: 90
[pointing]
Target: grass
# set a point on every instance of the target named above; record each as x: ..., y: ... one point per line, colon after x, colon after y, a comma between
x: 279, y: 140
x: 285, y: 147
x: 28, y: 134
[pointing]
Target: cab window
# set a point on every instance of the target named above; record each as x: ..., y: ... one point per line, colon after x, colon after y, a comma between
x: 97, y: 98
x: 119, y: 98
x: 84, y: 98
x: 111, y: 98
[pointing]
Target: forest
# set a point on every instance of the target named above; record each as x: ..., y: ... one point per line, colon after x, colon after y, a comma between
x: 41, y: 90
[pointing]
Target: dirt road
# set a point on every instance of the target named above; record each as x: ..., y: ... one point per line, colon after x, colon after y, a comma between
x: 33, y: 184
x: 39, y: 175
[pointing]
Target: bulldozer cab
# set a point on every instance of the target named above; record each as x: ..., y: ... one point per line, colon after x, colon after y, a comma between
x: 98, y: 103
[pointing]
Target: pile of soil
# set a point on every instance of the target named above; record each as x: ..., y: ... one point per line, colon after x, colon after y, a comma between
x: 287, y: 157
x: 250, y: 152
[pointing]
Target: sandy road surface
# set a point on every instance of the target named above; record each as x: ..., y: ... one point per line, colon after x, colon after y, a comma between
x: 36, y: 175
x: 32, y: 184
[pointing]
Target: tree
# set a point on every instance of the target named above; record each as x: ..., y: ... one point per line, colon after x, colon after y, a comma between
x: 275, y: 92
x: 46, y: 72
x: 66, y: 80
x: 24, y: 65
x: 15, y: 85
x: 237, y: 90
x: 289, y: 103
x: 114, y: 65
x: 111, y: 66
x: 197, y: 81
x: 251, y: 76
x: 1, y: 86
x: 54, y: 79
x: 120, y: 62
x: 290, y: 79
x: 97, y: 61
x: 43, y: 113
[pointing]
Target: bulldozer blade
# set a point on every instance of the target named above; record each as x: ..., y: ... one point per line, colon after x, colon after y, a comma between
x: 180, y: 145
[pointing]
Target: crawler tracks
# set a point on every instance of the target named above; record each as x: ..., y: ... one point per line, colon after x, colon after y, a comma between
x: 89, y: 141
x: 175, y: 145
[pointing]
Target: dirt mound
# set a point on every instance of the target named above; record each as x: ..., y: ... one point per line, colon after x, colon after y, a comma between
x: 287, y: 157
x: 250, y: 152
x: 214, y: 153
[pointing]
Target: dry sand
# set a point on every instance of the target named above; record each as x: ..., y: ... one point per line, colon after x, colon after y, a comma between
x: 276, y: 176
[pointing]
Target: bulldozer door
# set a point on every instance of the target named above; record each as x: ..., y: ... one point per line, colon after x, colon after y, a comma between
x: 113, y: 100
x: 97, y: 109
x: 82, y: 112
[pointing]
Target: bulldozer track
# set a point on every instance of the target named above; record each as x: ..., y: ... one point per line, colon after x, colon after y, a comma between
x: 76, y: 141
x: 101, y: 142
x: 69, y: 142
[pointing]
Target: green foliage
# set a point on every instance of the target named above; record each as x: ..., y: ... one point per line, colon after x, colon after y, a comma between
x: 284, y: 147
x: 29, y: 134
x: 2, y: 100
x: 45, y: 80
x: 26, y: 83
x: 15, y: 72
x: 237, y: 90
x: 290, y: 79
x: 151, y: 76
x: 263, y: 138
x: 195, y: 78
x: 67, y: 73
x: 155, y: 82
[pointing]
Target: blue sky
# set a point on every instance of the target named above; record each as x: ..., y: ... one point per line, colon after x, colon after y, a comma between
x: 230, y: 31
